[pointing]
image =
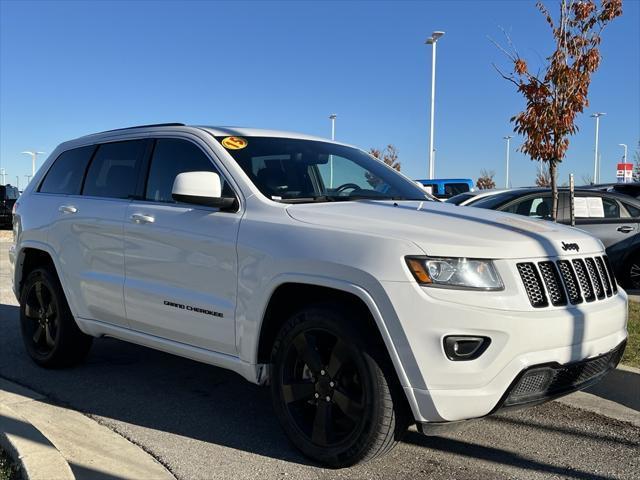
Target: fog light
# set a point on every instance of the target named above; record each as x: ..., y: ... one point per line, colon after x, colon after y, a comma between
x: 464, y: 347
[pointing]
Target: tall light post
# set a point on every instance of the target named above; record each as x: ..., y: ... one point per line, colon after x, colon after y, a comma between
x: 3, y: 174
x: 34, y: 155
x: 432, y: 40
x: 595, y: 155
x: 624, y: 155
x: 332, y: 117
x: 508, y: 139
x: 18, y: 182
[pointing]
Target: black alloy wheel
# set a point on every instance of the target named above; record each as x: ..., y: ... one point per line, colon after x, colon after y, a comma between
x: 322, y: 388
x: 42, y: 311
x: 334, y: 389
x: 49, y: 331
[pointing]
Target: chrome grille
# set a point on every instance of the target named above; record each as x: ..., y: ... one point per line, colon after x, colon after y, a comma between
x: 570, y: 281
x: 552, y: 281
x: 557, y: 282
x: 595, y: 278
x: 532, y: 284
x: 614, y: 284
x: 583, y: 278
x: 604, y: 275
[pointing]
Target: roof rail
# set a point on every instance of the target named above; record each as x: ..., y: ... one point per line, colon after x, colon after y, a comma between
x: 144, y: 126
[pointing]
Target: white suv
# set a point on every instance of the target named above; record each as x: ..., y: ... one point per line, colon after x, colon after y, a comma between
x: 313, y: 267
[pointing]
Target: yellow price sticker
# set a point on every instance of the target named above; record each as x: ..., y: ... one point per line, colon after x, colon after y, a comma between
x: 234, y: 143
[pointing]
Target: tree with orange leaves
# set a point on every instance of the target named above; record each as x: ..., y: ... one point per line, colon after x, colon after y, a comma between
x: 558, y: 92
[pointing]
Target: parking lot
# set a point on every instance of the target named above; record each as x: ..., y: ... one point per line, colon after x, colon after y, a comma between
x: 204, y: 422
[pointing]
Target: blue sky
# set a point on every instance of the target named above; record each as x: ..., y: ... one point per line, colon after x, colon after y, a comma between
x: 71, y: 68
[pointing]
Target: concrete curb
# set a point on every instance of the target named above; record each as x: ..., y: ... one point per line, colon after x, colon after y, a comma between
x: 617, y: 396
x: 50, y: 442
x: 36, y: 455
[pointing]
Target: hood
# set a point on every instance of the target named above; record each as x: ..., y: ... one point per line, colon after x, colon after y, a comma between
x: 442, y: 229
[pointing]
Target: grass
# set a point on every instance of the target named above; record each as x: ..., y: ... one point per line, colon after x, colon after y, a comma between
x: 632, y: 352
x: 8, y: 470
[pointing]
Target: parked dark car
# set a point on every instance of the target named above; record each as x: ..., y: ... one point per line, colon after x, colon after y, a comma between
x: 611, y: 217
x: 8, y: 196
x: 632, y: 189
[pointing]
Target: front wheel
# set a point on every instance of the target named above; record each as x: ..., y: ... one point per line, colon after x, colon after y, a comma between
x: 334, y: 392
x: 633, y: 274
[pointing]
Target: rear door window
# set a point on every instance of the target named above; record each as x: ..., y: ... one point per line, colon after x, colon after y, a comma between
x: 113, y: 173
x: 65, y: 175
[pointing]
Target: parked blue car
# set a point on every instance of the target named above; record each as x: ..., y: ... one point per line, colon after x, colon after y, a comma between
x: 448, y: 187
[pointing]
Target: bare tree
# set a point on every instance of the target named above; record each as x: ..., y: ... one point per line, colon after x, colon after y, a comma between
x: 485, y: 180
x: 543, y: 177
x: 558, y: 92
x: 587, y: 179
x: 388, y: 155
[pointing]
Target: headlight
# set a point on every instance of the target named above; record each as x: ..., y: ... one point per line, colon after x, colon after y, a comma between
x: 462, y: 273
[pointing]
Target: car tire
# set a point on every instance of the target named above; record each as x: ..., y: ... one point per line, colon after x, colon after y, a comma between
x: 334, y: 390
x: 49, y: 331
x: 633, y: 273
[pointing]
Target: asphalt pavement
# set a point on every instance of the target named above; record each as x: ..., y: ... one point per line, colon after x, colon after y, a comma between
x: 203, y: 422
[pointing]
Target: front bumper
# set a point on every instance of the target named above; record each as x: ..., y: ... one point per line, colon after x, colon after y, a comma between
x: 542, y: 383
x: 441, y: 390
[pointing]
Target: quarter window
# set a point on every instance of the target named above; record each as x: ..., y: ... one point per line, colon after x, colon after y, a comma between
x: 65, y: 175
x: 171, y: 157
x: 537, y: 207
x: 114, y: 170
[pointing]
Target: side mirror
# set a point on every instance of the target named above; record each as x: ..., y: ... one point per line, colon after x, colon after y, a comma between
x: 201, y: 188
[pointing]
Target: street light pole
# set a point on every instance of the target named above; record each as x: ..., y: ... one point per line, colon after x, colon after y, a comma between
x: 34, y: 155
x: 432, y: 40
x: 3, y: 174
x: 595, y: 155
x: 508, y: 139
x: 624, y: 156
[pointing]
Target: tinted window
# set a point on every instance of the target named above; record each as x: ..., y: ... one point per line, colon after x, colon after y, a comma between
x: 114, y: 170
x: 537, y: 207
x: 611, y: 208
x: 451, y: 189
x: 8, y: 192
x: 171, y: 157
x: 633, y: 211
x: 65, y: 175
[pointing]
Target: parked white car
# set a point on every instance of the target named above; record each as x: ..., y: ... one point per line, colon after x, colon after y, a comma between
x: 310, y: 266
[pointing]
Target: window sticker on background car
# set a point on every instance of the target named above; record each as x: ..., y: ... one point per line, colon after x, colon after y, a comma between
x: 596, y: 210
x: 588, y: 207
x: 234, y: 143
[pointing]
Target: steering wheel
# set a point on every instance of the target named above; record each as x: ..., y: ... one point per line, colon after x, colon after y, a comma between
x: 346, y: 186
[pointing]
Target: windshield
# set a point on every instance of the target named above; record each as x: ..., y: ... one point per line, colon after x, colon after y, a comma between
x: 294, y: 170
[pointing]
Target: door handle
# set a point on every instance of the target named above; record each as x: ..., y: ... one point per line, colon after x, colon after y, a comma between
x: 67, y: 209
x: 626, y: 229
x: 140, y: 218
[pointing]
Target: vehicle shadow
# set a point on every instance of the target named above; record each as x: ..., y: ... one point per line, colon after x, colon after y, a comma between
x: 143, y: 388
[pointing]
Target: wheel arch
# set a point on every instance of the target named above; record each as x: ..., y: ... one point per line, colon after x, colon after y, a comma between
x: 290, y: 294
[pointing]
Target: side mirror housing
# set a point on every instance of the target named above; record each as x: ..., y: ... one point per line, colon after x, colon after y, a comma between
x: 201, y: 188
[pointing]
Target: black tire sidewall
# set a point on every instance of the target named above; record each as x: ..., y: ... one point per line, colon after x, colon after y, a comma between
x: 334, y: 320
x: 68, y: 334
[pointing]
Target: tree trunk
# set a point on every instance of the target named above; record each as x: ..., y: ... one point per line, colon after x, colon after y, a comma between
x: 554, y: 190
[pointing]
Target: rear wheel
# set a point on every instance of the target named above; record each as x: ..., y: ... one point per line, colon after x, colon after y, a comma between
x: 333, y: 392
x: 49, y: 331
